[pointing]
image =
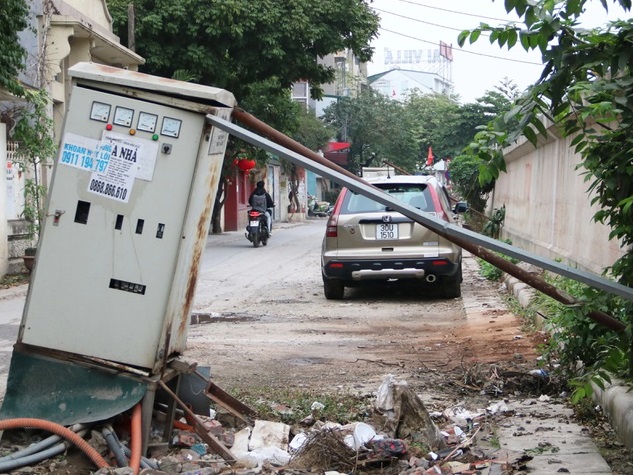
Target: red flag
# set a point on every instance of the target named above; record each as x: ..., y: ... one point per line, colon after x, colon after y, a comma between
x: 430, y: 157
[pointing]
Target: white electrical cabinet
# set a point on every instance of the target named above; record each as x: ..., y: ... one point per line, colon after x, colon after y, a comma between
x: 128, y: 214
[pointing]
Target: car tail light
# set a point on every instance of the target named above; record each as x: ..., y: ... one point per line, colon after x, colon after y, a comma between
x: 331, y: 227
x: 440, y: 262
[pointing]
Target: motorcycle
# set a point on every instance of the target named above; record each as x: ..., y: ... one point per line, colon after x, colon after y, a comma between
x: 257, y: 229
x: 321, y: 209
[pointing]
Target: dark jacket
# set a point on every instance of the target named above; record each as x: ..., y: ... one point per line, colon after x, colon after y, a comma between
x: 255, y: 202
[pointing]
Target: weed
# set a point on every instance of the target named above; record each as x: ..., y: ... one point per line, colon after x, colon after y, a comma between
x: 489, y: 271
x: 577, y: 342
x: 291, y: 406
x: 14, y: 280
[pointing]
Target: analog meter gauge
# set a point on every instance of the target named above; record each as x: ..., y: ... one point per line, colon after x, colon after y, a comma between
x: 147, y: 122
x: 171, y: 127
x: 100, y: 111
x: 123, y: 116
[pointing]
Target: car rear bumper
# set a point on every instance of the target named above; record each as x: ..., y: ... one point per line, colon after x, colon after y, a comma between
x: 386, y: 269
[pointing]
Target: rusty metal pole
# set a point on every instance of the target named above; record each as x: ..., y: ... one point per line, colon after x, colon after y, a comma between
x: 531, y: 279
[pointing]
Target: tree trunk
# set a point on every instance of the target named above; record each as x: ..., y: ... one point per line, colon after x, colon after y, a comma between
x: 221, y: 196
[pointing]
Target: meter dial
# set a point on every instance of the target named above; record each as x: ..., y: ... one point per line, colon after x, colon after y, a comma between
x: 147, y: 122
x: 123, y: 116
x: 171, y: 127
x: 100, y: 111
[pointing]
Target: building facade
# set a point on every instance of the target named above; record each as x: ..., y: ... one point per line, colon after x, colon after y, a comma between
x: 61, y: 33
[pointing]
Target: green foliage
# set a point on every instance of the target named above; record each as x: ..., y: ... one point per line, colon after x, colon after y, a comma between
x: 586, y: 90
x: 33, y: 131
x: 234, y: 44
x: 577, y: 341
x: 493, y: 227
x: 311, y: 131
x: 377, y: 129
x: 489, y: 271
x: 13, y: 18
x: 465, y: 173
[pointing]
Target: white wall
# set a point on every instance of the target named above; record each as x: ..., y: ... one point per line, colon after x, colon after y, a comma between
x: 4, y: 228
x: 548, y: 210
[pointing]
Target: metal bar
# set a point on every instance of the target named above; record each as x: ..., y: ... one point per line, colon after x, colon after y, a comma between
x: 227, y: 401
x: 284, y: 146
x: 213, y: 443
x: 473, y: 242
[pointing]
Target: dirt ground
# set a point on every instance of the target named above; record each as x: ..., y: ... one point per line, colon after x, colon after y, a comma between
x: 303, y: 340
x: 254, y: 333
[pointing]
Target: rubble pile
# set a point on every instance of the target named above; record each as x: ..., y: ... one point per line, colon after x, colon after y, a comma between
x: 402, y: 438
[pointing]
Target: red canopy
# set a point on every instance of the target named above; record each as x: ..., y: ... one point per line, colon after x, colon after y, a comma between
x: 336, y: 146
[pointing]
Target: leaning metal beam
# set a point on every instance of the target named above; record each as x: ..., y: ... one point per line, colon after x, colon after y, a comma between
x: 345, y: 178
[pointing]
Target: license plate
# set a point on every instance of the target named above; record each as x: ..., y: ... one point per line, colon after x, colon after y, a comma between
x: 253, y: 223
x: 386, y: 231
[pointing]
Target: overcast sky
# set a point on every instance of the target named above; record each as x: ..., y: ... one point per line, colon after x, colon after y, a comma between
x: 415, y: 25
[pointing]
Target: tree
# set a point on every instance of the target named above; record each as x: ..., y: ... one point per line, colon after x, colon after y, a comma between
x: 376, y: 128
x: 256, y: 50
x: 465, y: 168
x: 586, y: 89
x: 234, y: 44
x: 13, y: 18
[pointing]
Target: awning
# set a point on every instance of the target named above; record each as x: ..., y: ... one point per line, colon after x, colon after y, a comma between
x: 337, y: 146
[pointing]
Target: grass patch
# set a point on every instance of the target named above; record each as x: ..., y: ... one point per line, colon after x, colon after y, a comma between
x: 14, y: 280
x: 291, y: 405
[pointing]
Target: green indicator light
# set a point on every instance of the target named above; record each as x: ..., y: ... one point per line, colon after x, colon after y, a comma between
x: 155, y: 137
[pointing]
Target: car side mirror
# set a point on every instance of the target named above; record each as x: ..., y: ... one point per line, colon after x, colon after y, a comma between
x: 461, y: 207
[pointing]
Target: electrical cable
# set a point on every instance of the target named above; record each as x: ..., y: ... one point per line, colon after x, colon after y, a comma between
x: 462, y: 50
x: 452, y: 11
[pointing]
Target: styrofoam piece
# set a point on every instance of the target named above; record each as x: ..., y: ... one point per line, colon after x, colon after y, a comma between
x: 269, y: 434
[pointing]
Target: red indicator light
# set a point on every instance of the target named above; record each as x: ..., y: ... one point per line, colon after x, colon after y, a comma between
x: 336, y: 265
x: 109, y: 127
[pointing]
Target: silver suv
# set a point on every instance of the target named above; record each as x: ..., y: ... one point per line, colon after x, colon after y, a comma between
x: 365, y: 241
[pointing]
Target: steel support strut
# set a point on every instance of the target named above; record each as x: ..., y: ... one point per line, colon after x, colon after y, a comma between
x: 477, y: 244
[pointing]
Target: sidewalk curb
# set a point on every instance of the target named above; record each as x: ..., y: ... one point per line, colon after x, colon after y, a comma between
x: 615, y: 400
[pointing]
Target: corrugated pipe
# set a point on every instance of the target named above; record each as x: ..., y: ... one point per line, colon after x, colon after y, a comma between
x: 114, y: 446
x: 145, y: 462
x: 33, y: 458
x: 25, y: 422
x: 39, y: 446
x: 136, y: 439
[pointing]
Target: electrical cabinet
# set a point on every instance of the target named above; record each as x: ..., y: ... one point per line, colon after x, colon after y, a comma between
x: 128, y: 213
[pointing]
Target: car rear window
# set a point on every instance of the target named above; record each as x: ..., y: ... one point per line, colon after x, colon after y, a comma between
x: 414, y: 194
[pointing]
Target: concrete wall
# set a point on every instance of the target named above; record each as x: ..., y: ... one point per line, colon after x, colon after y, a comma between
x: 4, y: 228
x: 548, y: 210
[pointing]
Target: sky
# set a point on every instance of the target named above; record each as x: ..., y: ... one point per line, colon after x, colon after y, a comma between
x: 416, y: 25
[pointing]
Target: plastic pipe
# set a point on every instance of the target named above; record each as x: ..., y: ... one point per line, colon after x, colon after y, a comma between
x: 114, y: 446
x: 24, y: 422
x: 136, y: 439
x: 39, y: 446
x: 145, y: 462
x: 37, y: 457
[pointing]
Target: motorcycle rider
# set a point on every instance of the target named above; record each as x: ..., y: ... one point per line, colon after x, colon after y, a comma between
x: 260, y: 200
